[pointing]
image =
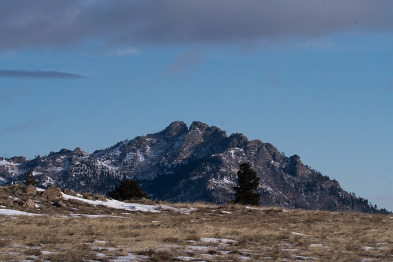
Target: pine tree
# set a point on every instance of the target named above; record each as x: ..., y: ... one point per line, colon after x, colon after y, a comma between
x: 30, y: 180
x: 128, y: 189
x: 248, y: 181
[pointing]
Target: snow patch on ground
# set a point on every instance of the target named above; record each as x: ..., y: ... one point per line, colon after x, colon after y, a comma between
x: 111, y: 203
x: 184, y: 258
x: 116, y: 204
x: 94, y: 216
x: 298, y: 234
x: 221, y: 241
x: 255, y: 208
x: 199, y: 248
x: 186, y: 211
x: 100, y: 242
x: 44, y: 252
x: 304, y: 258
x: 11, y: 212
x: 129, y: 257
x: 318, y: 245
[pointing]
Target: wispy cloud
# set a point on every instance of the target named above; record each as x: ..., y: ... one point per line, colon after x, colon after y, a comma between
x: 38, y: 74
x: 25, y: 126
x: 152, y: 22
x: 126, y: 51
x: 390, y: 85
x: 273, y: 79
x: 184, y: 64
x: 10, y: 95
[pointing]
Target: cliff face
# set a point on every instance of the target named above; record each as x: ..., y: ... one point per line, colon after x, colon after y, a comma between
x: 180, y: 163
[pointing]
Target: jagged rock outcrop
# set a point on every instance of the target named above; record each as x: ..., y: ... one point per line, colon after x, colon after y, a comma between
x: 296, y: 167
x: 180, y: 163
x: 17, y: 159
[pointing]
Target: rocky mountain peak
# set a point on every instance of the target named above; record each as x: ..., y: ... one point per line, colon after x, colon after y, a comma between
x: 237, y: 140
x: 197, y: 125
x: 79, y: 152
x: 175, y: 129
x: 17, y: 159
x: 65, y: 151
x: 188, y: 164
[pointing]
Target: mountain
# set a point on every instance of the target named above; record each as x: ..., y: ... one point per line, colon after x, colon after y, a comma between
x: 187, y: 164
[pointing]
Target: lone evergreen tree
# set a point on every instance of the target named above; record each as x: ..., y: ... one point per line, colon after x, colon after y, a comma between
x: 248, y: 181
x: 128, y: 189
x: 30, y: 180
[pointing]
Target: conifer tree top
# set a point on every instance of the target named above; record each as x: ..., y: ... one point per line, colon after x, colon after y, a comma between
x: 128, y: 189
x: 248, y: 182
x: 30, y: 180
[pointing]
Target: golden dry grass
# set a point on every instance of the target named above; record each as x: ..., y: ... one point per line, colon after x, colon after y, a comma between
x: 211, y: 233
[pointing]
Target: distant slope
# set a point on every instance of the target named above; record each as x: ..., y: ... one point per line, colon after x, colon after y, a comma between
x: 187, y: 164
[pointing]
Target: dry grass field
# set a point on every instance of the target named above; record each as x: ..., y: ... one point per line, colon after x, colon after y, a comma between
x: 210, y: 233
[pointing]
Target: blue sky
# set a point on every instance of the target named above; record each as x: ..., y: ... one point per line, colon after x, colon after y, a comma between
x: 314, y: 78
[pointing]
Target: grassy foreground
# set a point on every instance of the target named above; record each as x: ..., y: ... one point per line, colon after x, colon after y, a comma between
x: 211, y: 233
